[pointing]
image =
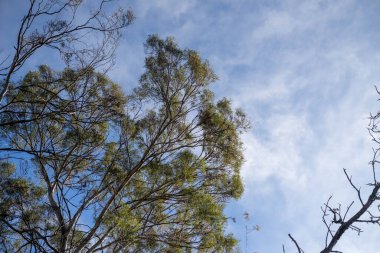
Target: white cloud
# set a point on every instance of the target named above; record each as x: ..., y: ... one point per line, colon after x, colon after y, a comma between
x: 166, y: 8
x: 311, y: 111
x: 278, y: 155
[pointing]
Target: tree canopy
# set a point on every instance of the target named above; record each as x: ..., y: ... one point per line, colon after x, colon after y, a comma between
x: 86, y: 168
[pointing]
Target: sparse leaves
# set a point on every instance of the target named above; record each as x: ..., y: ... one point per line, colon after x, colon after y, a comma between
x: 88, y: 41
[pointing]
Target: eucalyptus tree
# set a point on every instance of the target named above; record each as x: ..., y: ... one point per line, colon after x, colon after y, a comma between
x: 86, y: 168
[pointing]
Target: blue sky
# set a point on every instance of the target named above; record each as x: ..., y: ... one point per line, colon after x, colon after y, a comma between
x: 304, y: 71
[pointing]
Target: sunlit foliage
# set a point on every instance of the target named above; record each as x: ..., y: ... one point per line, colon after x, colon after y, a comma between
x: 145, y: 172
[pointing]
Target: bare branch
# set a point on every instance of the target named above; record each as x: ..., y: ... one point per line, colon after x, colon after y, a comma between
x: 296, y: 244
x: 89, y: 42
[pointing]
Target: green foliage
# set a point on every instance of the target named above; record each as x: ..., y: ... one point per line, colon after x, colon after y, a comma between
x: 147, y: 172
x: 20, y: 203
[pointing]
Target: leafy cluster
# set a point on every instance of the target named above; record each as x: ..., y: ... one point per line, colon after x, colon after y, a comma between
x: 147, y: 172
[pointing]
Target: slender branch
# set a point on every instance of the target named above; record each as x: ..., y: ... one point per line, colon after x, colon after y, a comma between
x: 296, y: 244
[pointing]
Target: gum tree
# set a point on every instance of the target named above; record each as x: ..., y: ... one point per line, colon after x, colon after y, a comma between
x: 86, y: 168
